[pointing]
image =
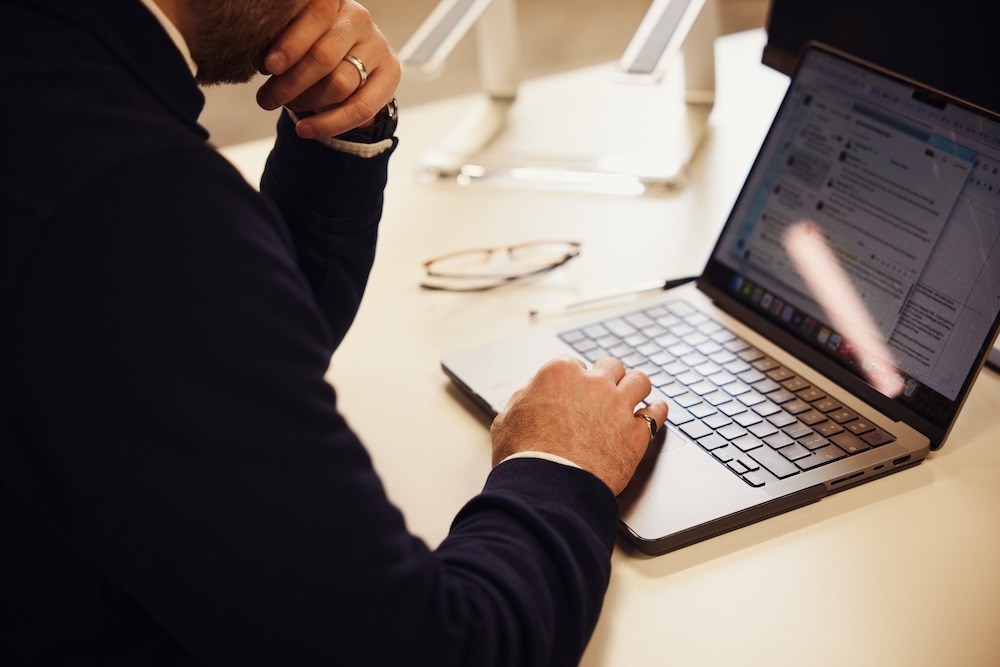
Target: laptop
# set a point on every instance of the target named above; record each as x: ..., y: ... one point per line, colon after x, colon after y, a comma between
x: 843, y: 315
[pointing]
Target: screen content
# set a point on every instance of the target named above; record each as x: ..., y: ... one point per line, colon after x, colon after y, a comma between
x: 872, y: 232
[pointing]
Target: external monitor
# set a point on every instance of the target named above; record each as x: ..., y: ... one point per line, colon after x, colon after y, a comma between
x: 949, y: 45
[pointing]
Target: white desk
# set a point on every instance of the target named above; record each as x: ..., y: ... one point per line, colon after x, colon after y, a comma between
x: 903, y: 571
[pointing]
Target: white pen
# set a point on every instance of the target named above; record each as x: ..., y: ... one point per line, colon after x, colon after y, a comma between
x: 601, y: 297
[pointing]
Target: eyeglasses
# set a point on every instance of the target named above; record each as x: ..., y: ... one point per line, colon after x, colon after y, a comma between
x: 484, y: 269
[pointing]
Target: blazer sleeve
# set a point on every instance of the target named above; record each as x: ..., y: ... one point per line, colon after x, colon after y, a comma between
x: 331, y: 202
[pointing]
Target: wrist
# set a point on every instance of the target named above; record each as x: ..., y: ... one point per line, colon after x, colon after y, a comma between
x: 382, y: 127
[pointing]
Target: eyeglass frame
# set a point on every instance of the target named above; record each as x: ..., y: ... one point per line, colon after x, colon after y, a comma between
x: 501, y: 278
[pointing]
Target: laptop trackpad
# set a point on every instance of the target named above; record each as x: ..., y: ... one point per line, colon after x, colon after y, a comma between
x: 678, y: 485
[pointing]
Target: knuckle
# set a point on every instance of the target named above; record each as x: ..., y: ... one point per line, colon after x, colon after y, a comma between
x: 323, y: 55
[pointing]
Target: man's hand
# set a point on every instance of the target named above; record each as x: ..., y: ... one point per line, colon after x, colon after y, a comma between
x: 585, y: 415
x: 310, y: 73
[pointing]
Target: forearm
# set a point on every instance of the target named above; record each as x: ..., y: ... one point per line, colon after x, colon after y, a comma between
x: 332, y: 204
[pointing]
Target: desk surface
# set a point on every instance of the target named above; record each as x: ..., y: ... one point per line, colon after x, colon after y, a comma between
x: 902, y: 571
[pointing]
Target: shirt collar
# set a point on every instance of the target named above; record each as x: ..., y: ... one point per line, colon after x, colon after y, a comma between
x: 174, y: 33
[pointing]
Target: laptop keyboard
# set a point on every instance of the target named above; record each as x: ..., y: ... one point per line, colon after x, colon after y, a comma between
x: 755, y: 416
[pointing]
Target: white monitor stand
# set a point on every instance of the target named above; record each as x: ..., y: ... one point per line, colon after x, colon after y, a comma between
x: 628, y: 127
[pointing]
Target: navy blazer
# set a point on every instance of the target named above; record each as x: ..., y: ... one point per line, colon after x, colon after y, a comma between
x: 176, y: 484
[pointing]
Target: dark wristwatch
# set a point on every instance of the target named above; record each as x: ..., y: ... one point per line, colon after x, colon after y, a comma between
x: 383, y: 127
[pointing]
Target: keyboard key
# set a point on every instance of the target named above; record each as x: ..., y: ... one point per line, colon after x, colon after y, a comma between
x: 796, y: 406
x: 826, y: 405
x: 813, y: 441
x: 794, y: 452
x: 762, y: 429
x: 677, y: 415
x: 766, y: 386
x: 797, y: 430
x: 695, y: 429
x: 731, y: 431
x: 782, y: 395
x: 733, y: 344
x: 877, y: 437
x: 721, y: 356
x: 778, y: 440
x: 765, y: 364
x: 717, y: 421
x: 620, y: 328
x: 722, y: 378
x: 812, y: 417
x: 780, y: 374
x: 737, y: 366
x: 748, y: 442
x: 751, y: 376
x: 702, y: 410
x: 709, y: 348
x: 732, y: 408
x: 774, y: 462
x: 843, y: 415
x: 673, y: 390
x: 737, y: 467
x: 781, y: 419
x: 766, y: 409
x: 727, y: 338
x: 708, y: 368
x: 751, y: 398
x: 748, y: 418
x: 689, y: 378
x: 849, y: 442
x: 712, y: 441
x: 639, y: 320
x: 696, y: 339
x: 827, y: 428
x: 717, y: 397
x: 680, y: 349
x: 860, y: 426
x: 795, y: 384
x: 687, y: 400
x: 702, y: 388
x: 753, y: 479
x: 607, y: 341
x: 694, y: 359
x: 810, y: 395
x: 660, y: 378
x: 821, y: 456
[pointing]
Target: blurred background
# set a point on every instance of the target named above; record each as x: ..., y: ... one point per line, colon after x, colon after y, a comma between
x: 556, y: 35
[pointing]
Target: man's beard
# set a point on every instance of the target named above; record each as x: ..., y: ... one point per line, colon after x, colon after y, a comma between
x: 233, y: 36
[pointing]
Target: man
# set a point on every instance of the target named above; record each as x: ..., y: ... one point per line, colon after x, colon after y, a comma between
x: 176, y: 485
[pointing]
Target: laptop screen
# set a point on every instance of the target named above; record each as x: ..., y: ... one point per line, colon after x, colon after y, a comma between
x: 868, y: 235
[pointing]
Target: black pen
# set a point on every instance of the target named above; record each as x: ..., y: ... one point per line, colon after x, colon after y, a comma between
x: 634, y: 290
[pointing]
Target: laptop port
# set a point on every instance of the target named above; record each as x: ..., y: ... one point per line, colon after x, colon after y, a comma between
x: 901, y: 460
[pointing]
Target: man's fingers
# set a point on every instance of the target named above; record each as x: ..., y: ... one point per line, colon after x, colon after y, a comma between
x: 657, y: 413
x: 300, y: 35
x: 609, y: 367
x: 356, y: 111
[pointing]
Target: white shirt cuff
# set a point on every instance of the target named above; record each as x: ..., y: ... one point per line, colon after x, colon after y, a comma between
x: 555, y: 458
x: 350, y: 147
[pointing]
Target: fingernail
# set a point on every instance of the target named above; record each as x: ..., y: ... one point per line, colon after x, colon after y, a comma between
x: 306, y: 131
x: 275, y: 62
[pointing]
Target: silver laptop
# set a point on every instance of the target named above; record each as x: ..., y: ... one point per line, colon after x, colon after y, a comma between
x: 838, y: 326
